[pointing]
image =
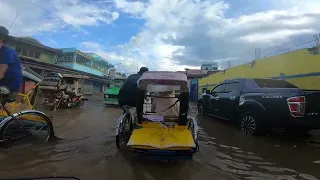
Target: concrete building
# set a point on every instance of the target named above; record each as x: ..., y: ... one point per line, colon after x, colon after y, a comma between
x: 90, y: 63
x: 28, y: 47
x: 40, y: 58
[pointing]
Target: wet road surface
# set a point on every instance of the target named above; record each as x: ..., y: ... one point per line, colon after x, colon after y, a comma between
x: 87, y: 150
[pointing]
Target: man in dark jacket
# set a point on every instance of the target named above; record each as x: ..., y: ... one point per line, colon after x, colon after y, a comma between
x: 128, y: 92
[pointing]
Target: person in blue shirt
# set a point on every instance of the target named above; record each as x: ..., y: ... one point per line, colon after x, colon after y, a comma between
x: 10, y: 67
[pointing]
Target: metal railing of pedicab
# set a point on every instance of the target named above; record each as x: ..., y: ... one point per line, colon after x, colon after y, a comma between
x: 9, y: 111
x: 27, y: 99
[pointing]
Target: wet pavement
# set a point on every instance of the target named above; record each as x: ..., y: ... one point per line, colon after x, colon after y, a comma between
x: 87, y: 150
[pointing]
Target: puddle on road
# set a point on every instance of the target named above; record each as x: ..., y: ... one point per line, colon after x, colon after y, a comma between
x: 87, y: 150
x: 250, y: 157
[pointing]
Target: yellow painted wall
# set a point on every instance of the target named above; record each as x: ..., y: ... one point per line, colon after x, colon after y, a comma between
x: 293, y: 63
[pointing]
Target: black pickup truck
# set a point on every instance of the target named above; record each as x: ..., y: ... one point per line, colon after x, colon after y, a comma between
x: 260, y: 104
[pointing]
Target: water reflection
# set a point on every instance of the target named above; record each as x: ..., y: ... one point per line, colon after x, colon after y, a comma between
x: 87, y: 150
x: 273, y: 157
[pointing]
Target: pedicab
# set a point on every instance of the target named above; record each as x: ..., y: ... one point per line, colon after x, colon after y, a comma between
x: 146, y: 131
x: 63, y: 90
x: 18, y: 118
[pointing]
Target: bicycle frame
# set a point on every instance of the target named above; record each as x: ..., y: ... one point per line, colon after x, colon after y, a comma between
x: 128, y: 111
x: 26, y: 97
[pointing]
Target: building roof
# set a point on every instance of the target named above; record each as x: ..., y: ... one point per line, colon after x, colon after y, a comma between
x: 29, y: 73
x: 100, y: 60
x: 61, y: 69
x: 34, y: 42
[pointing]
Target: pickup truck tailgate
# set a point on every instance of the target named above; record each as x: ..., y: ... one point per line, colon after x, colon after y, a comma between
x: 312, y: 103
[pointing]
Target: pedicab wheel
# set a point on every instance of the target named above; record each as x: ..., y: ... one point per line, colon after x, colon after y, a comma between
x: 124, y: 134
x: 200, y: 109
x: 81, y: 104
x: 28, y: 125
x: 54, y: 107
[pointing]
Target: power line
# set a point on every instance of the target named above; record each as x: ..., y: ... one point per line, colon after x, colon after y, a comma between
x: 14, y: 20
x: 81, y: 12
x: 51, y: 13
x: 86, y: 17
x: 270, y: 54
x: 141, y: 49
x: 102, y: 8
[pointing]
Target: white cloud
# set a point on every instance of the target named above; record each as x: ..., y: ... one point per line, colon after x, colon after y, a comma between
x: 33, y: 19
x: 184, y: 33
x: 177, y: 33
x: 134, y: 7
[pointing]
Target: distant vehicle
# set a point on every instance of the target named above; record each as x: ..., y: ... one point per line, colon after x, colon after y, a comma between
x: 111, y: 94
x: 259, y: 104
x: 63, y: 90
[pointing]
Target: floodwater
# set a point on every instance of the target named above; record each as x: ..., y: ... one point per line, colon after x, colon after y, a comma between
x: 87, y: 150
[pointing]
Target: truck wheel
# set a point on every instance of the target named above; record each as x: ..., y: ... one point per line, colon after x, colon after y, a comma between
x: 249, y: 123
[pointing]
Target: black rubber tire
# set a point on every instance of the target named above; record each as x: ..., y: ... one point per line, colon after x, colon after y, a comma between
x: 47, y: 119
x: 54, y: 107
x: 118, y: 139
x: 81, y: 104
x: 250, y: 123
x: 201, y: 111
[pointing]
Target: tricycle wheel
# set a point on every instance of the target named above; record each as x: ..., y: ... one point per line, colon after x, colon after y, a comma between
x: 54, y: 107
x: 124, y: 133
x: 81, y: 103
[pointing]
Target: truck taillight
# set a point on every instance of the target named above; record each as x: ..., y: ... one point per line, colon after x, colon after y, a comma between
x: 297, y: 106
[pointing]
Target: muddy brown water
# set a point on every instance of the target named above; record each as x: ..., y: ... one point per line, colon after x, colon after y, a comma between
x: 87, y: 150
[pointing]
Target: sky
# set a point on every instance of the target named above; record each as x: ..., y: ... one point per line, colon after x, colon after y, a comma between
x: 166, y: 34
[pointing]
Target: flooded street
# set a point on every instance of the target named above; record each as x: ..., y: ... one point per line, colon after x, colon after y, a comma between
x: 87, y: 150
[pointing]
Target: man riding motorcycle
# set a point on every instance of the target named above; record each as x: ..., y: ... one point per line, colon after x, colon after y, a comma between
x: 10, y: 67
x: 128, y: 92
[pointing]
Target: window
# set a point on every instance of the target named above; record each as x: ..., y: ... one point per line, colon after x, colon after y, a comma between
x: 31, y: 54
x: 219, y: 89
x: 232, y: 86
x: 272, y: 83
x: 18, y: 50
x: 37, y: 55
x: 24, y: 52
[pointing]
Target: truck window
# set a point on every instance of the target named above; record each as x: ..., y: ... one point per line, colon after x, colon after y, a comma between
x: 272, y: 83
x: 219, y: 88
x: 231, y: 87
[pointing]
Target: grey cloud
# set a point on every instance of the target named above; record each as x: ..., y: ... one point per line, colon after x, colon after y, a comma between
x: 202, y: 46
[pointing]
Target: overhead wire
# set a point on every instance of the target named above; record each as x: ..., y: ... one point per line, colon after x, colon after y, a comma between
x: 282, y: 50
x: 103, y: 9
x: 141, y: 49
x: 82, y: 12
x: 51, y: 13
x: 86, y: 17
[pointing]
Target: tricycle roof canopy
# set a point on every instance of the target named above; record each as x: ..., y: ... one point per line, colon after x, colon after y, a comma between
x: 157, y: 81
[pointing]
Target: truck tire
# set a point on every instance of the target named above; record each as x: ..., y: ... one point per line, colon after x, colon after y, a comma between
x: 249, y: 123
